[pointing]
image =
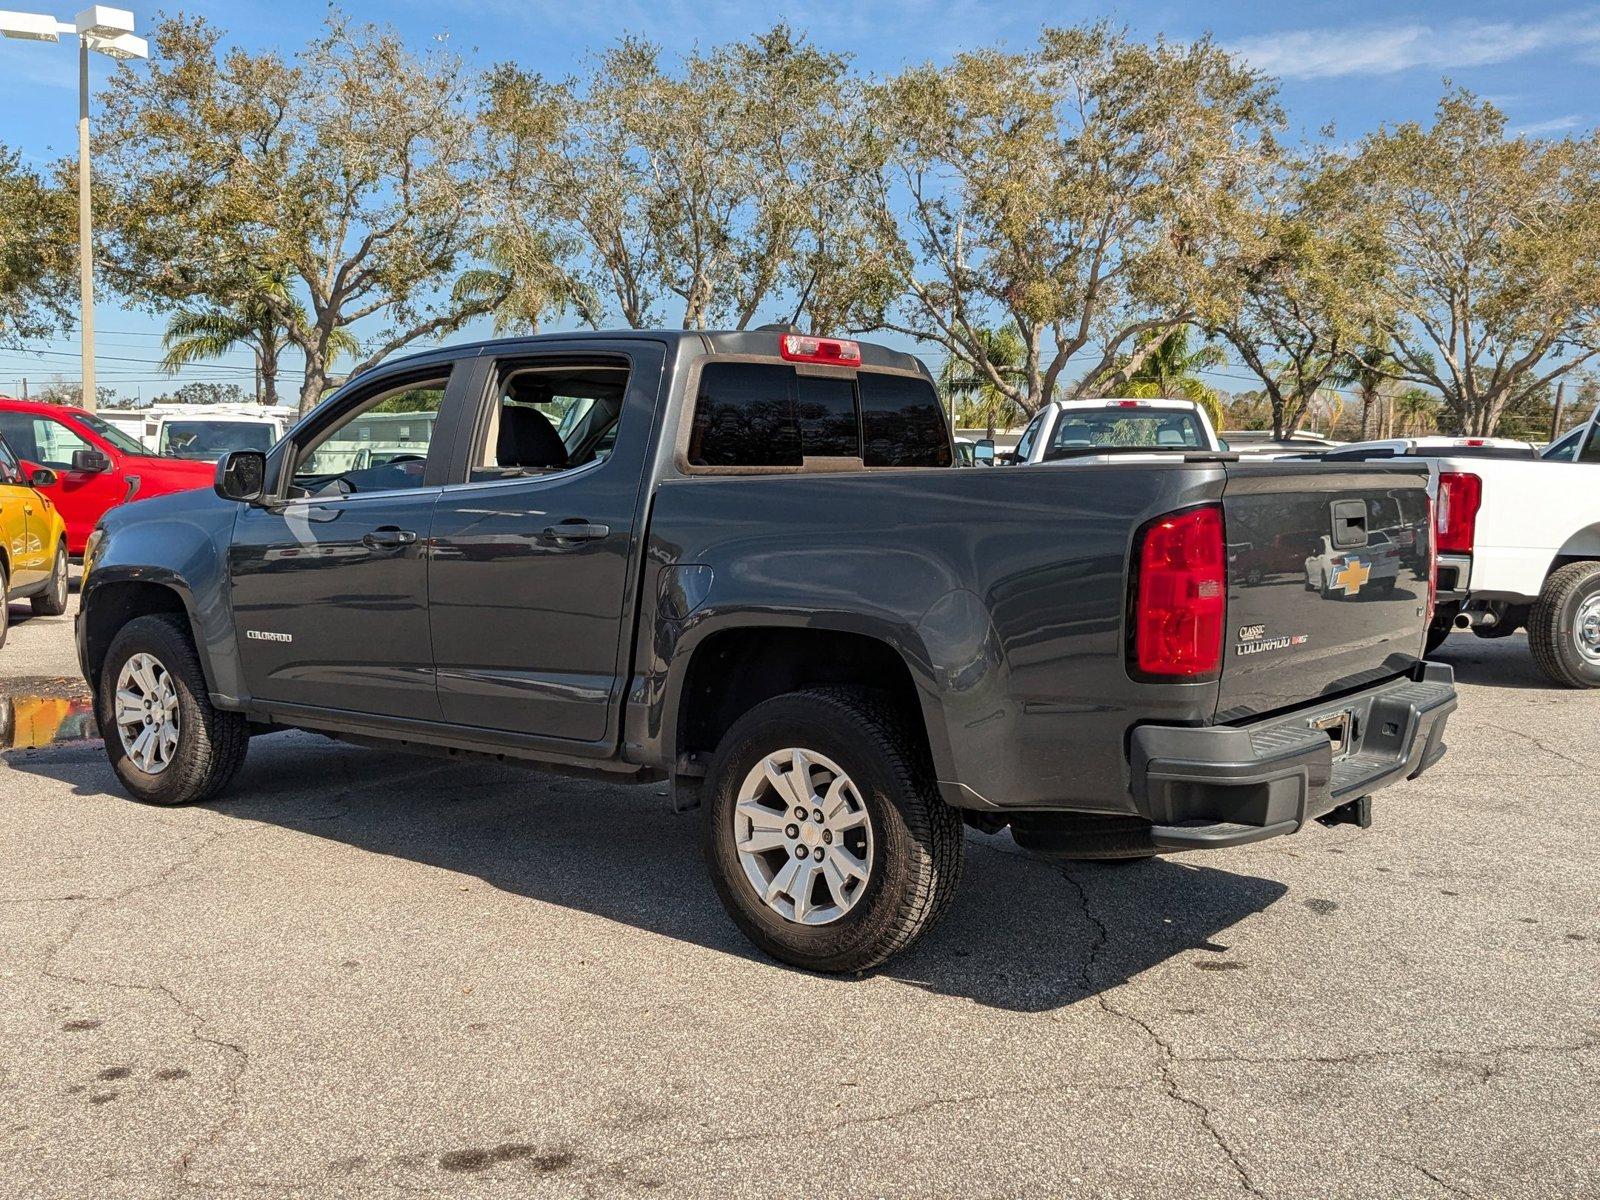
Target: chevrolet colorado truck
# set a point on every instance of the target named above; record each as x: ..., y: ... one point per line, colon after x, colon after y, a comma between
x: 1519, y: 543
x: 744, y: 563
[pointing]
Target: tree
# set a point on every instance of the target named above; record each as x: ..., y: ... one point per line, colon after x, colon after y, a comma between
x: 353, y: 171
x: 1080, y: 191
x: 36, y: 252
x: 984, y: 404
x: 1297, y: 291
x: 199, y: 392
x: 714, y: 187
x: 70, y: 391
x: 1416, y: 411
x: 1494, y: 275
x: 1368, y: 367
x: 1168, y: 372
x: 262, y: 318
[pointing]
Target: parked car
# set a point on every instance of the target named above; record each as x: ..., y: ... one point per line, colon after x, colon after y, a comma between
x: 1519, y: 543
x: 96, y: 466
x: 1087, y: 431
x: 747, y: 568
x: 33, y: 541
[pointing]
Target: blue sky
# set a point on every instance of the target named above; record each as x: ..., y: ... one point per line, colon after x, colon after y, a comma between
x: 1352, y: 64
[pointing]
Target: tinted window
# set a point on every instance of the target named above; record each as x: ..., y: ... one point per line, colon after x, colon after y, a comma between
x: 902, y: 422
x: 1591, y: 448
x: 17, y: 429
x: 744, y: 416
x: 210, y: 440
x: 1566, y: 450
x: 826, y: 409
x: 10, y: 471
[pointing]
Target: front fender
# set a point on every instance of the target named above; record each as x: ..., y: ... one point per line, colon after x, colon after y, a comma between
x: 178, y: 543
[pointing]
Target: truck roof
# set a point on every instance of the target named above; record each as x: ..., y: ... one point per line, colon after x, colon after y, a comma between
x: 762, y: 342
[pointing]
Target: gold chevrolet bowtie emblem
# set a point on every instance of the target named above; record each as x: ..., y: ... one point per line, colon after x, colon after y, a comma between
x: 1352, y: 577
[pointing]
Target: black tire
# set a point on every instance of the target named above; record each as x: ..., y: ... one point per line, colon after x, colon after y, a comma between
x: 211, y: 743
x: 1553, y: 625
x: 5, y: 602
x: 52, y: 602
x: 918, y: 839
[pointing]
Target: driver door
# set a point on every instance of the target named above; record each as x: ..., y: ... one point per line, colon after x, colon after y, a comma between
x: 330, y: 576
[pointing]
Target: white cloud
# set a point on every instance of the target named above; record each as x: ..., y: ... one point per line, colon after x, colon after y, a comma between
x: 1553, y: 125
x: 1391, y: 48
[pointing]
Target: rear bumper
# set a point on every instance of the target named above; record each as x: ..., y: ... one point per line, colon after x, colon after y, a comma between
x: 1204, y: 788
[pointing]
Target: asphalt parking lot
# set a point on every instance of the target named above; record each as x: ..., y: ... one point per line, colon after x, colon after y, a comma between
x: 372, y: 975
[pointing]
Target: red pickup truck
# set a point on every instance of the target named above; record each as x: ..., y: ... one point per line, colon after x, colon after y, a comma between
x: 97, y: 466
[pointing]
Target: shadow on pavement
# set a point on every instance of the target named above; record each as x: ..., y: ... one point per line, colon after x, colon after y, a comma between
x: 1023, y: 934
x: 1493, y: 662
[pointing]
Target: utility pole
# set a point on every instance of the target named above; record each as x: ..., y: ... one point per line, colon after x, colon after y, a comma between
x: 85, y: 231
x: 24, y: 387
x: 1555, y: 417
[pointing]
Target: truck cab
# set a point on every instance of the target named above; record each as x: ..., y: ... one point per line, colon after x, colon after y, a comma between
x: 1096, y: 431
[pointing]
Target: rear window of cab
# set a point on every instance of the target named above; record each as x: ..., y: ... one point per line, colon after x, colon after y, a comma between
x: 770, y: 415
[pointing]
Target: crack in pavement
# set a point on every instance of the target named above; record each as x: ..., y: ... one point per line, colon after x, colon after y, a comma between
x: 1165, y: 1056
x: 1589, y: 768
x: 1426, y: 1173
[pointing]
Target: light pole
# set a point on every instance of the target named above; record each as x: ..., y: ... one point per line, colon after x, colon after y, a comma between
x: 107, y: 31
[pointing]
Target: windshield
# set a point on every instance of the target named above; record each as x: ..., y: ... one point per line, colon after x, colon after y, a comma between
x: 110, y: 433
x: 200, y: 439
x: 1081, y: 431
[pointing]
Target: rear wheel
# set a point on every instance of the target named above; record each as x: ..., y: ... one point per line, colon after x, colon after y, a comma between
x: 1564, y: 627
x: 52, y: 602
x: 826, y: 837
x: 166, y: 741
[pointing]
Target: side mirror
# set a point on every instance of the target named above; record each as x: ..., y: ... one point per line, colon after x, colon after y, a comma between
x: 40, y: 477
x: 241, y: 476
x: 91, y: 461
x: 983, y: 451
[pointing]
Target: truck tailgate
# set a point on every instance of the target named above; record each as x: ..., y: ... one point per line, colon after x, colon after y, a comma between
x: 1328, y: 582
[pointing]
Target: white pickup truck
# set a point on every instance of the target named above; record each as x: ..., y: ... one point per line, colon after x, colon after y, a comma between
x: 1519, y: 542
x: 1100, y: 430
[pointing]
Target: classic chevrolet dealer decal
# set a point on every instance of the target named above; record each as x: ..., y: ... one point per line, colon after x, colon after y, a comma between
x: 1253, y: 639
x: 1351, y: 577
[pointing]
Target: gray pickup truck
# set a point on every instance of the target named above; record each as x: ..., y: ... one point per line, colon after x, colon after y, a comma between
x: 745, y: 563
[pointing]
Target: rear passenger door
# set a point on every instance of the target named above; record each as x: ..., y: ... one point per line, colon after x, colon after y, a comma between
x: 531, y: 599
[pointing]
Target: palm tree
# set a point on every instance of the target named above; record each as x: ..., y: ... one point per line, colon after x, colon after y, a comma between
x: 982, y: 402
x: 259, y: 317
x: 1416, y: 409
x: 1367, y: 369
x: 1168, y: 372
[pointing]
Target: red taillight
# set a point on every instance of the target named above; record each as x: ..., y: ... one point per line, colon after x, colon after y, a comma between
x: 837, y: 352
x: 1128, y: 404
x: 1460, y: 494
x: 1182, y: 594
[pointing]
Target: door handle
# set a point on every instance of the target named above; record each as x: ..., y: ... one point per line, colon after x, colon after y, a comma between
x: 387, y: 538
x: 575, y: 531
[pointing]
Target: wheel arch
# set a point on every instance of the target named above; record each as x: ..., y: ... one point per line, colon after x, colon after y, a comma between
x: 1582, y: 546
x: 731, y: 666
x: 108, y: 604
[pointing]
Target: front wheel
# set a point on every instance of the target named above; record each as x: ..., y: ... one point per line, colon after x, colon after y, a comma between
x: 166, y: 741
x: 52, y: 602
x: 826, y: 837
x: 1564, y: 627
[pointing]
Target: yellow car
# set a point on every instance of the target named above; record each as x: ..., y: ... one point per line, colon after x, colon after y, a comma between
x: 33, y: 542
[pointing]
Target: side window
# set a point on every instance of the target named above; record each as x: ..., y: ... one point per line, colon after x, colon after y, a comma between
x: 10, y: 469
x: 17, y: 429
x: 744, y: 417
x: 1565, y: 450
x: 379, y: 446
x: 768, y: 415
x: 902, y: 423
x: 1029, y: 436
x: 548, y: 417
x: 55, y: 443
x: 1591, y: 446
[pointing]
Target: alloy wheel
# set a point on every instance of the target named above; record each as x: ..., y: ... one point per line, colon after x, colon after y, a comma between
x: 147, y: 713
x: 804, y: 836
